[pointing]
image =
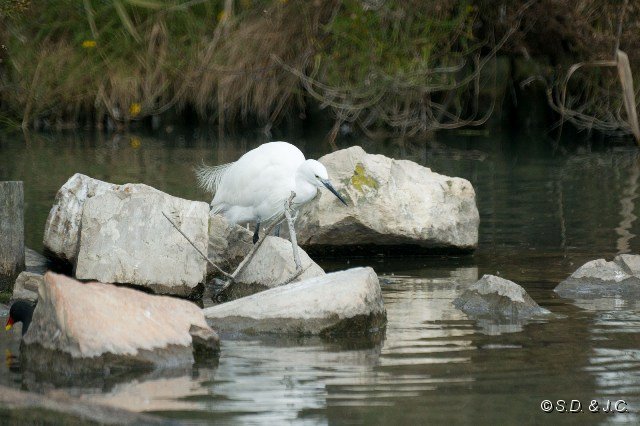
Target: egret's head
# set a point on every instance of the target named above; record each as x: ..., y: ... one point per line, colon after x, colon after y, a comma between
x: 316, y: 174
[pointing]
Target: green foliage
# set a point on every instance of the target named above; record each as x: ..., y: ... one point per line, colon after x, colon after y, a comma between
x: 401, y: 39
x: 13, y: 8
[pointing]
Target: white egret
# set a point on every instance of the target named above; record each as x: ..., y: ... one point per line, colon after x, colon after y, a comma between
x: 265, y: 183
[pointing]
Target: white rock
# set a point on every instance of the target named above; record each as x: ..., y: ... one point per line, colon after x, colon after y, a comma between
x: 391, y: 203
x: 341, y: 302
x: 61, y: 232
x: 26, y: 286
x: 95, y: 321
x: 126, y: 239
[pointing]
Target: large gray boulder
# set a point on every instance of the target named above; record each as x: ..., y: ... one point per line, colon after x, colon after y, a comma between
x: 62, y: 229
x: 82, y: 327
x: 271, y: 266
x: 126, y: 239
x: 391, y: 203
x: 599, y: 278
x: 493, y: 297
x: 345, y: 302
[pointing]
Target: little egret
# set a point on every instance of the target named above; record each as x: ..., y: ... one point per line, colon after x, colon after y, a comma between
x: 265, y: 183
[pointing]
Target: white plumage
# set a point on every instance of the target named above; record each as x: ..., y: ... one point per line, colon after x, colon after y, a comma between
x: 256, y: 187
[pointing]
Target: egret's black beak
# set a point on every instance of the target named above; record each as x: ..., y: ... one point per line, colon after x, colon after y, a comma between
x: 330, y: 187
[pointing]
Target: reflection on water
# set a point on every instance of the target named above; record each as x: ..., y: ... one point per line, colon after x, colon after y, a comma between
x: 627, y: 207
x: 546, y: 208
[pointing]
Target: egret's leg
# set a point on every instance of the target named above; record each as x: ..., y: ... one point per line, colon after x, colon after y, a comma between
x: 292, y: 234
x: 248, y: 257
x: 255, y: 247
x: 256, y: 236
x: 277, y: 231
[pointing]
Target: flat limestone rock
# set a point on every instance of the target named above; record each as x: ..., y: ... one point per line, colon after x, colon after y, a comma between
x: 496, y: 298
x: 126, y: 239
x: 79, y: 327
x: 345, y: 302
x: 392, y: 204
x: 598, y: 278
x: 26, y: 286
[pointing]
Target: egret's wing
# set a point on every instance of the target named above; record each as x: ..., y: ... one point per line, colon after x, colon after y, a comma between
x: 209, y: 177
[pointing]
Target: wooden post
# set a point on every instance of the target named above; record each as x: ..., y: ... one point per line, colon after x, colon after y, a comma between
x: 11, y: 233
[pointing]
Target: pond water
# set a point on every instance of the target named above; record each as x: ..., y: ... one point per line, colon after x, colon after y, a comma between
x: 546, y: 206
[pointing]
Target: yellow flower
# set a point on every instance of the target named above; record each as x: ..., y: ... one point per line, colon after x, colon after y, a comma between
x: 135, y: 142
x: 135, y: 109
x: 89, y: 44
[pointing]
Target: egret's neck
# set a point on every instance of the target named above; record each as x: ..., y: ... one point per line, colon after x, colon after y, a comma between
x: 305, y: 191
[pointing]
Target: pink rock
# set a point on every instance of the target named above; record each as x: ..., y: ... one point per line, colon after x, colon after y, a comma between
x: 95, y: 321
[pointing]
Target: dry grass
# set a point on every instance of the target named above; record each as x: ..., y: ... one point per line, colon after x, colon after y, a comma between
x: 402, y: 66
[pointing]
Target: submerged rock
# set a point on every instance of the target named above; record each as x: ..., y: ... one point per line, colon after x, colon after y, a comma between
x: 496, y: 298
x: 599, y: 278
x: 80, y: 327
x: 392, y: 204
x: 345, y: 302
x: 126, y: 239
x: 19, y: 407
x: 271, y: 266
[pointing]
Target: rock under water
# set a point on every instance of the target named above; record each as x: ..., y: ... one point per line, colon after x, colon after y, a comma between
x: 598, y: 278
x: 496, y: 298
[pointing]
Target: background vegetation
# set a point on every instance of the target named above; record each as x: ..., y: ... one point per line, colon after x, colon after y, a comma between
x: 403, y: 67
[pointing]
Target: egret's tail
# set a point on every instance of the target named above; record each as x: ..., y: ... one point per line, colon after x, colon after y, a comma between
x: 209, y: 177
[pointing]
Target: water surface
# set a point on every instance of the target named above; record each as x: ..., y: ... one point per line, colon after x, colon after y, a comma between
x: 546, y: 206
